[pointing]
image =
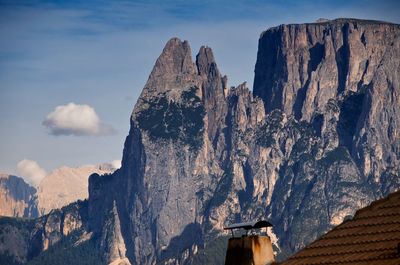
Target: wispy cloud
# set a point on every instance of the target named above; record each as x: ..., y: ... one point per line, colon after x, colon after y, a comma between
x: 77, y: 120
x: 31, y: 172
x: 116, y: 164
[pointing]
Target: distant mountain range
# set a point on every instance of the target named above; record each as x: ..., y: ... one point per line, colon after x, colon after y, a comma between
x: 61, y: 187
x: 316, y: 139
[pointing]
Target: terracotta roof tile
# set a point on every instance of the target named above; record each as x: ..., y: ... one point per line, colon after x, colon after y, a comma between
x: 372, y: 236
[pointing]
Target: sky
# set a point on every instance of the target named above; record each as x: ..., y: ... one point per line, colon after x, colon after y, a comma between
x: 71, y: 71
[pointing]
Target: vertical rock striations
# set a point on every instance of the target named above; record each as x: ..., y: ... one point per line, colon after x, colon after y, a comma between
x: 304, y: 69
x: 341, y: 79
x: 301, y: 66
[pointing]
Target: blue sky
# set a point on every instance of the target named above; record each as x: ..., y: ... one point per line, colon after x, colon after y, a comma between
x: 99, y: 54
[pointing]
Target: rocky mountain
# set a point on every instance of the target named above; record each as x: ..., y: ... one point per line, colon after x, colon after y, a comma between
x: 306, y: 150
x: 61, y: 187
x: 17, y: 198
x: 317, y: 139
x: 341, y: 79
x: 65, y: 185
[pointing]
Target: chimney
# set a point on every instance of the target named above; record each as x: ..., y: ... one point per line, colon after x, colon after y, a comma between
x: 249, y: 249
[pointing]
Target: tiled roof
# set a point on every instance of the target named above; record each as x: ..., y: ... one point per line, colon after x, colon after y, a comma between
x: 372, y: 236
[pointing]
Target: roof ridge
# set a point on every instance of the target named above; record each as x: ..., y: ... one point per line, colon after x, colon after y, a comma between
x: 389, y: 206
x: 368, y: 224
x: 349, y: 261
x: 361, y: 234
x: 353, y: 243
x: 372, y: 236
x: 344, y: 252
x: 375, y: 215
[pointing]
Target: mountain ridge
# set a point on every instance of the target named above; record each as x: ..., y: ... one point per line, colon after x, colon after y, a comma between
x: 62, y: 186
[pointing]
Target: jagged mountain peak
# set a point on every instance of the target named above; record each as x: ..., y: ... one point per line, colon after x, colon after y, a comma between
x: 175, y: 73
x: 205, y: 61
x: 208, y: 70
x: 173, y: 70
x: 175, y: 58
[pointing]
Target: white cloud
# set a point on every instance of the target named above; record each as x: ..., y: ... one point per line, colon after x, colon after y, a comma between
x: 116, y: 164
x: 78, y: 120
x: 31, y: 171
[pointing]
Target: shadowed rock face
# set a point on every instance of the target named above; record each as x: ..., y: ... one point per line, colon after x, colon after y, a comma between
x: 17, y: 198
x: 23, y: 239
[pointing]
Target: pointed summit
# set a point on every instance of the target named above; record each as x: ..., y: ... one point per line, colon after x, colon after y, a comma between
x: 205, y: 61
x: 176, y: 58
x: 213, y: 83
x: 173, y: 67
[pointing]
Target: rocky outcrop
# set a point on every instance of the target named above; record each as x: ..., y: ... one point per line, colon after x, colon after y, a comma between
x: 17, y: 198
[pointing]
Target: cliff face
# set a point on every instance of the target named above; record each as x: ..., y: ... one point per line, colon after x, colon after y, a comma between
x: 341, y: 78
x: 303, y: 69
x: 301, y: 66
x: 17, y: 198
x: 169, y: 170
